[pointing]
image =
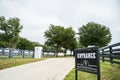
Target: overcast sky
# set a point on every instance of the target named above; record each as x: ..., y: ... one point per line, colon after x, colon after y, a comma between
x: 37, y: 15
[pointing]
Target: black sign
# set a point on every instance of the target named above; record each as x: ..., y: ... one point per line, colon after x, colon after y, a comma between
x: 87, y: 59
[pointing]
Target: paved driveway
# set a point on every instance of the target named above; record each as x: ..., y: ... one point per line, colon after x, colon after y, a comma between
x: 50, y: 69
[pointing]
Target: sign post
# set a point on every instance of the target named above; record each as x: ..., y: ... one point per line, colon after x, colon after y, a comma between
x: 87, y: 60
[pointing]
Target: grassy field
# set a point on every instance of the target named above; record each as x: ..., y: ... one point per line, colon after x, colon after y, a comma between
x: 6, y: 62
x: 108, y: 72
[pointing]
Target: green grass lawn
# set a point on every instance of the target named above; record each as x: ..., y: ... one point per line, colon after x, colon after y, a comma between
x: 6, y: 62
x: 108, y: 72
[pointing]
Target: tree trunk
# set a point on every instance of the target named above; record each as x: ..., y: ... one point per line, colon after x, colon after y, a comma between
x: 65, y: 53
x: 56, y: 54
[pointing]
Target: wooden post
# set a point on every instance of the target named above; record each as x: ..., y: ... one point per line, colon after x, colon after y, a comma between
x: 10, y: 53
x: 23, y: 52
x: 76, y: 71
x: 3, y: 53
x: 98, y: 63
x: 103, y: 55
x: 111, y: 53
x: 33, y: 54
x: 76, y: 74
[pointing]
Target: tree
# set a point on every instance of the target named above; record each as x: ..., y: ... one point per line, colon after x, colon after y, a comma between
x: 26, y: 44
x: 15, y: 29
x: 60, y: 37
x: 94, y: 34
x: 23, y: 43
x: 4, y: 32
x: 9, y: 31
x: 54, y: 37
x: 69, y: 40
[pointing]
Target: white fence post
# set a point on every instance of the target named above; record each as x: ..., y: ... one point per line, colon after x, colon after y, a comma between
x: 38, y: 52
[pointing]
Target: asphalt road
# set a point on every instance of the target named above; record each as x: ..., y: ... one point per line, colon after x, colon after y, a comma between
x: 50, y: 69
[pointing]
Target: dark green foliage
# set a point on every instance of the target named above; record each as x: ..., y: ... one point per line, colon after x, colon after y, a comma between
x: 26, y: 44
x: 54, y: 37
x: 69, y: 40
x: 60, y: 37
x: 48, y: 48
x: 9, y: 31
x: 94, y: 34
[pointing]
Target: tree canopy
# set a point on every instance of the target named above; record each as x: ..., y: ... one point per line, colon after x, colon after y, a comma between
x: 60, y: 37
x: 94, y: 34
x: 26, y: 44
x: 9, y: 31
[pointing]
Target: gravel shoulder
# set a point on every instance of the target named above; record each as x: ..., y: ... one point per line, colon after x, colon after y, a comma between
x: 50, y: 69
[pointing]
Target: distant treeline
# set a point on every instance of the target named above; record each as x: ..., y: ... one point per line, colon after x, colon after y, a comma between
x: 58, y: 38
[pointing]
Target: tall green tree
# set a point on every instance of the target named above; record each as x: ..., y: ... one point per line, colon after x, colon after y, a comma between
x: 15, y: 29
x: 9, y: 31
x: 69, y: 40
x: 54, y: 36
x: 94, y: 34
x: 60, y: 37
